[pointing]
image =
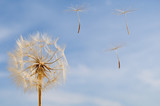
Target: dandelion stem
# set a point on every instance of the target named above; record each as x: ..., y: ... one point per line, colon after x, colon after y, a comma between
x: 126, y: 24
x: 39, y: 93
x: 118, y: 60
x: 39, y: 88
x: 79, y: 22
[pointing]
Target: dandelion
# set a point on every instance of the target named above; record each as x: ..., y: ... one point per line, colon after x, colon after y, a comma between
x: 37, y: 63
x: 77, y: 10
x: 116, y: 51
x: 121, y: 12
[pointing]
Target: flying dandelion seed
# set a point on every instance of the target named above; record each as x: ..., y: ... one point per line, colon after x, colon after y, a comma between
x: 121, y: 12
x: 116, y: 51
x: 77, y: 10
x: 37, y: 63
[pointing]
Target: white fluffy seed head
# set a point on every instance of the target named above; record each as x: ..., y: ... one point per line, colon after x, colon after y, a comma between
x: 39, y: 56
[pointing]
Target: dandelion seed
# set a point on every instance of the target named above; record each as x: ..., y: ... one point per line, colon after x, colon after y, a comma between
x: 80, y: 9
x: 116, y: 51
x: 37, y: 63
x: 121, y: 12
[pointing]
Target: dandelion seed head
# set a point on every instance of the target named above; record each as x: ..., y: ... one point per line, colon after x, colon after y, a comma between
x: 115, y: 48
x: 121, y: 12
x: 38, y: 61
x: 76, y: 8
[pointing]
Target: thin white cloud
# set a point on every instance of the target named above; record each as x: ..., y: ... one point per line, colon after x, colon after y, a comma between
x: 67, y: 98
x: 4, y: 74
x: 60, y: 98
x: 8, y: 31
x: 3, y: 58
x: 5, y: 32
x: 108, y: 2
x: 81, y: 72
x: 151, y: 78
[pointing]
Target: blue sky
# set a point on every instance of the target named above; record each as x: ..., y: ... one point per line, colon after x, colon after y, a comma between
x: 93, y: 78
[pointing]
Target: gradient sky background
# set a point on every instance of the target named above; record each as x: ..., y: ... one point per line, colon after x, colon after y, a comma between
x: 93, y: 78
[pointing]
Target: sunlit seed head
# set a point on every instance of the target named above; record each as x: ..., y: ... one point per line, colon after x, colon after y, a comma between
x: 38, y: 61
x: 121, y: 12
x: 115, y: 48
x: 80, y: 8
x: 77, y: 10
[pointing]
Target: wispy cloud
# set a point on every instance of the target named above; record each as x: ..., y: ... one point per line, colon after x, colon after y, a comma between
x: 60, y: 98
x: 83, y: 71
x: 2, y: 58
x: 3, y: 74
x: 68, y: 98
x: 6, y: 32
x: 150, y: 78
x: 108, y: 2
